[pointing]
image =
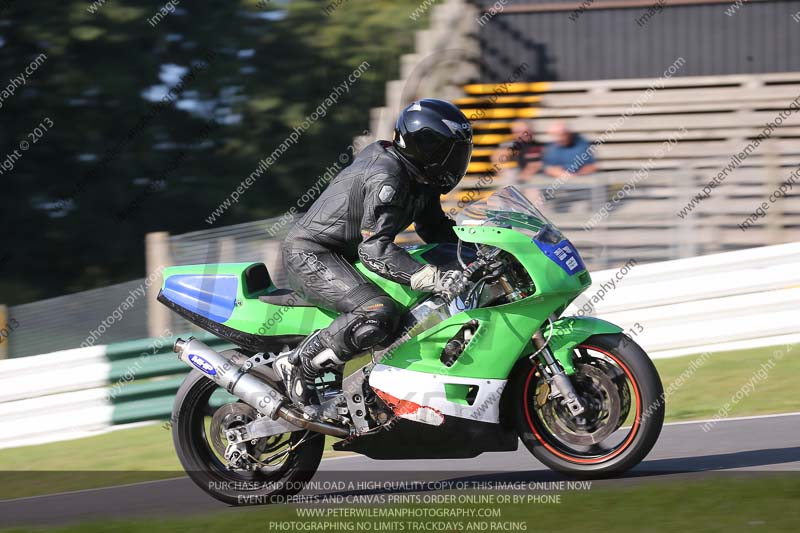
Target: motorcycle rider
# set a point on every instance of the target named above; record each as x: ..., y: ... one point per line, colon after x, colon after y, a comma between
x: 388, y: 186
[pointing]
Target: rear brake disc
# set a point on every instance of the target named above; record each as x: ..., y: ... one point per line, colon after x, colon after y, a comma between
x: 228, y: 416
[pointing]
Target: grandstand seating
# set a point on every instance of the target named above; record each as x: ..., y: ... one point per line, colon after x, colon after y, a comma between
x: 720, y: 114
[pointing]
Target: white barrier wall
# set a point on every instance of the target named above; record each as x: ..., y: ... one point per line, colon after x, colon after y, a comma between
x: 55, y: 396
x: 64, y: 371
x: 719, y: 302
x: 743, y: 299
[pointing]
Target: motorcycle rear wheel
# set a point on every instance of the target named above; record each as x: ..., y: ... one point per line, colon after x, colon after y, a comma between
x: 636, y: 399
x: 236, y: 487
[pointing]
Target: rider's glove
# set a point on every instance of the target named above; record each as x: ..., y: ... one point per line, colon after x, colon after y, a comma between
x: 445, y: 283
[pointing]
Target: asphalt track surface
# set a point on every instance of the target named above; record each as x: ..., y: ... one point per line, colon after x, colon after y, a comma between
x: 761, y: 444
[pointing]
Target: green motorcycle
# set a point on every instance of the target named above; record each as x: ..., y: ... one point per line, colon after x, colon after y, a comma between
x: 497, y: 365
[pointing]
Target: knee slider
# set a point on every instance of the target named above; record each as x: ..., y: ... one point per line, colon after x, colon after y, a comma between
x: 366, y: 334
x: 375, y: 323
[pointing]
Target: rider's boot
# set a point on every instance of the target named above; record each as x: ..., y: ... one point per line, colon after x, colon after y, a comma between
x: 300, y: 368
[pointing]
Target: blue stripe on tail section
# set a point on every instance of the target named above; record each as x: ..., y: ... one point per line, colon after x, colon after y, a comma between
x: 213, y: 297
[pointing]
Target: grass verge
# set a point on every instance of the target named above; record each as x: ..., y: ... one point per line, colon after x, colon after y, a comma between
x: 702, y: 385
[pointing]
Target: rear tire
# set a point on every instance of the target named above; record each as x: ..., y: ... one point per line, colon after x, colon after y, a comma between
x: 207, y: 470
x: 646, y: 404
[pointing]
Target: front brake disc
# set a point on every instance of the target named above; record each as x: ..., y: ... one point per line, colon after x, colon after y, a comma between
x: 601, y: 393
x: 619, y: 378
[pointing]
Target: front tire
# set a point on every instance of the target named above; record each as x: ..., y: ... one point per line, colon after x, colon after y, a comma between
x: 636, y: 396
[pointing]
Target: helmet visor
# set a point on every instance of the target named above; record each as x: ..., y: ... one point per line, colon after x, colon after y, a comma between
x: 453, y: 167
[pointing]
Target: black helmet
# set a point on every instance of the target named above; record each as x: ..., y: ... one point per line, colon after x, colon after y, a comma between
x: 436, y: 138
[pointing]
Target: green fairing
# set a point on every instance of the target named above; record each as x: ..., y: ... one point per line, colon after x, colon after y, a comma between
x: 554, y: 286
x: 505, y: 331
x: 492, y: 352
x: 570, y: 331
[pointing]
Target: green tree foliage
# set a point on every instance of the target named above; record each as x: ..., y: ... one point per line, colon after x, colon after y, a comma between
x: 259, y: 67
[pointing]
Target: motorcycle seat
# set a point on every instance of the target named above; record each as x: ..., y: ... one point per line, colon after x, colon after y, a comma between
x: 285, y: 298
x: 257, y: 280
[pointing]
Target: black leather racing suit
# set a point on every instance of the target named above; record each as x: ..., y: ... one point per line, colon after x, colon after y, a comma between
x: 358, y: 216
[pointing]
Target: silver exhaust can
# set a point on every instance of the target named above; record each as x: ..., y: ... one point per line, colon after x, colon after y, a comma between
x: 229, y: 375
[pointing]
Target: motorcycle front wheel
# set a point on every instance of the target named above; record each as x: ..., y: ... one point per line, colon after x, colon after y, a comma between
x: 281, y: 465
x: 624, y: 409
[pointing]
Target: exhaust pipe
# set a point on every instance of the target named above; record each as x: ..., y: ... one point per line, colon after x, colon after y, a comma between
x: 253, y: 391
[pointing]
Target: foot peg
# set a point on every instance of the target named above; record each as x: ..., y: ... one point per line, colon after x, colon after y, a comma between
x: 298, y: 372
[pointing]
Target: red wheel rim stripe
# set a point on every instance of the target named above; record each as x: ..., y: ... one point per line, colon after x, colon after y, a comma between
x: 596, y: 460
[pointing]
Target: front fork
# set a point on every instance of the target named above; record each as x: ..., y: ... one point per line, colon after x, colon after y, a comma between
x: 558, y: 381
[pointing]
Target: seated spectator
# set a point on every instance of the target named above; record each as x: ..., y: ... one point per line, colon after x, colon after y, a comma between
x: 570, y: 154
x: 525, y: 150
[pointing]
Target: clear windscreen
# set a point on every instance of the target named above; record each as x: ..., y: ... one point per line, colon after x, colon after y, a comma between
x: 507, y: 207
